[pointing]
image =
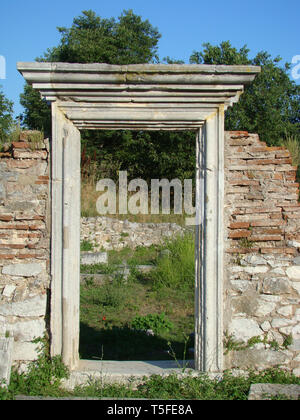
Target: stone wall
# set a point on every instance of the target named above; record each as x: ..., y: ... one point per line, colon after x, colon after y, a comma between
x: 24, y: 243
x: 108, y: 233
x: 262, y: 293
x: 262, y: 261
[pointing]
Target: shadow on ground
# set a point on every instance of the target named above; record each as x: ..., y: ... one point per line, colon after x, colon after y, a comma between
x: 123, y: 343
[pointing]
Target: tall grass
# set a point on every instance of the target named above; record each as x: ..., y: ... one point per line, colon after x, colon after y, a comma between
x: 292, y: 143
x: 176, y: 269
x: 89, y: 197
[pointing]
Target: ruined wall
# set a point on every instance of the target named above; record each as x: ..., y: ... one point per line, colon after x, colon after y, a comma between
x: 113, y: 234
x: 262, y: 293
x: 24, y: 243
x: 262, y: 261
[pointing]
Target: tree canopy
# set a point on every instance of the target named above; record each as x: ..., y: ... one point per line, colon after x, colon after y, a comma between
x: 128, y: 40
x: 270, y: 106
x: 6, y: 116
x: 92, y: 39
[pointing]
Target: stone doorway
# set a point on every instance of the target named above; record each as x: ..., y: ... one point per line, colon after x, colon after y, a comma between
x: 143, y: 97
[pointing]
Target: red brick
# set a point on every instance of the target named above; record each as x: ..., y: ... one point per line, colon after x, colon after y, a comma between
x: 266, y: 238
x: 238, y: 133
x: 21, y: 164
x: 5, y: 155
x: 242, y: 250
x: 270, y: 232
x: 12, y: 246
x: 275, y: 148
x: 244, y: 182
x: 29, y: 235
x: 25, y: 256
x: 253, y: 210
x: 239, y: 225
x: 7, y: 256
x: 239, y: 234
x: 278, y: 250
x: 21, y: 145
x: 282, y: 154
x: 14, y: 227
x: 268, y: 222
x: 5, y: 218
x: 278, y: 176
x: 41, y: 182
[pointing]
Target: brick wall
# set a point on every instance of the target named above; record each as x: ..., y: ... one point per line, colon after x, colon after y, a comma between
x: 262, y: 261
x: 262, y: 291
x: 24, y: 243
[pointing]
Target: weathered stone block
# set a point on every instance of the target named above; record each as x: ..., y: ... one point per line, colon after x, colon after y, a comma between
x: 256, y: 358
x: 285, y: 310
x: 293, y: 272
x: 25, y: 351
x: 276, y: 286
x: 88, y: 258
x: 28, y: 330
x: 32, y: 307
x: 6, y: 354
x: 266, y: 391
x: 9, y: 290
x: 282, y: 322
x: 23, y: 270
x: 243, y: 329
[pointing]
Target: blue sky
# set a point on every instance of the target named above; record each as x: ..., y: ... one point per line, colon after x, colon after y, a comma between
x: 28, y: 28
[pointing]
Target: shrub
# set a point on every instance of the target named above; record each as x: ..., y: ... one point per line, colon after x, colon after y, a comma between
x: 155, y: 322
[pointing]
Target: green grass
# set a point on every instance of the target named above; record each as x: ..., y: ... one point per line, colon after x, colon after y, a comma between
x: 110, y: 312
x: 44, y: 376
x: 86, y: 246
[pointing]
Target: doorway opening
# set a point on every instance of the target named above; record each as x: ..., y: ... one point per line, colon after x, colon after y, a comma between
x: 137, y: 281
x: 143, y: 97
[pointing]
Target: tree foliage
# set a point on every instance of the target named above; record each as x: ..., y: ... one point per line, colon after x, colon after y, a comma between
x: 128, y: 40
x: 91, y: 39
x: 6, y: 116
x: 270, y: 106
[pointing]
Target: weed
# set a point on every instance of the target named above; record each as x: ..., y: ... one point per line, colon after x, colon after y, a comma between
x: 43, y: 376
x: 246, y: 243
x: 231, y: 344
x: 155, y: 322
x: 86, y: 246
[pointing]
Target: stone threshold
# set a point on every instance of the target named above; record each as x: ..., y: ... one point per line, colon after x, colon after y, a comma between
x: 126, y: 372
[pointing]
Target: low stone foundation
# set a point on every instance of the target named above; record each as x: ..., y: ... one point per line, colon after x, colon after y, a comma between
x: 108, y: 233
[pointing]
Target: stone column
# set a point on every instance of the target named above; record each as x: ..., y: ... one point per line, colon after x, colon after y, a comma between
x: 209, y: 245
x: 65, y: 238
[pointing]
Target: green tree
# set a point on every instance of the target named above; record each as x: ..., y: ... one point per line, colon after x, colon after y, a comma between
x: 6, y: 117
x: 270, y: 106
x: 91, y: 39
x: 37, y: 114
x: 128, y: 40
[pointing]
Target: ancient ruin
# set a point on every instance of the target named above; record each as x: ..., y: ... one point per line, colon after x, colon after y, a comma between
x: 247, y: 263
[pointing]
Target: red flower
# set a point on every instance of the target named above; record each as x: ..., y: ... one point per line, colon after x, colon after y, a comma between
x: 104, y: 318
